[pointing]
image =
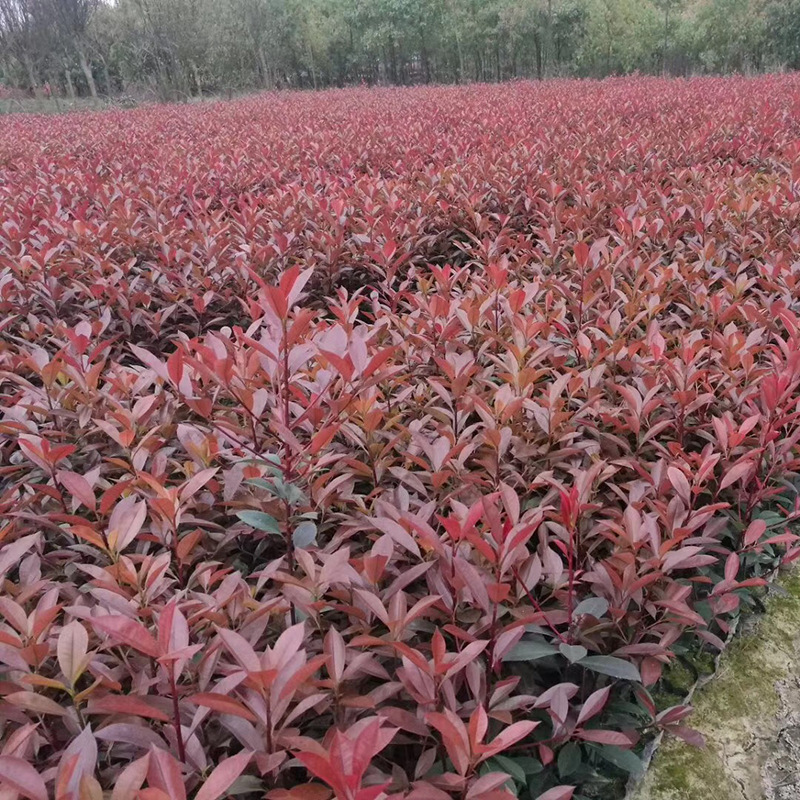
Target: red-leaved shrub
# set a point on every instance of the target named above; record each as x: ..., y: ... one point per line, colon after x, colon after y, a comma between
x: 387, y: 443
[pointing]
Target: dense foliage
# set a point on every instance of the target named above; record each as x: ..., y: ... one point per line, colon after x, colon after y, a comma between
x: 177, y: 48
x: 387, y: 442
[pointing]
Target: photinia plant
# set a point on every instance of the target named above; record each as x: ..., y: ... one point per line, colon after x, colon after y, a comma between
x: 360, y: 445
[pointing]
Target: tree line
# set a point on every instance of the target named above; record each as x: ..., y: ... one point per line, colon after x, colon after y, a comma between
x: 182, y: 48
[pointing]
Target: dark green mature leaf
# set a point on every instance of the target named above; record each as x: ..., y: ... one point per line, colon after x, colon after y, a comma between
x: 615, y: 667
x: 626, y: 760
x: 305, y: 534
x: 259, y: 520
x: 572, y: 652
x: 511, y: 767
x: 530, y: 651
x: 595, y: 606
x: 569, y: 759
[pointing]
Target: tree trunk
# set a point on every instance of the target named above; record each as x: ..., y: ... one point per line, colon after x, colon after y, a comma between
x: 33, y: 78
x: 313, y: 65
x: 197, y: 82
x: 87, y: 71
x: 70, y: 84
x: 666, y: 40
x: 426, y: 62
x: 54, y: 83
x: 393, y: 60
x: 460, y: 58
x: 106, y: 78
x: 266, y: 76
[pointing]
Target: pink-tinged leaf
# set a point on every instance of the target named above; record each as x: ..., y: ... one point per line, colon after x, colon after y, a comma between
x: 173, y: 630
x: 320, y: 767
x: 78, y: 487
x: 689, y: 735
x: 21, y: 741
x: 223, y: 776
x: 197, y: 482
x: 128, y: 782
x: 731, y: 567
x: 127, y: 631
x: 138, y: 735
x: 147, y: 358
x: 11, y: 554
x: 454, y: 736
x: 164, y: 772
x: 336, y: 651
x: 558, y: 793
x: 240, y: 649
x: 736, y: 473
x: 594, y: 704
x: 125, y: 522
x: 126, y: 704
x: 37, y: 703
x: 614, y: 738
x: 21, y: 777
x: 511, y: 735
x: 782, y: 538
x: 71, y: 648
x: 681, y: 484
x: 485, y: 787
x: 397, y: 533
x: 674, y: 558
x: 755, y: 530
x: 289, y: 642
x: 223, y: 704
x: 78, y: 760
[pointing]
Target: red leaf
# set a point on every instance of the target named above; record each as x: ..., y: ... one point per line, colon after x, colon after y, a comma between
x: 128, y: 782
x: 223, y: 704
x: 689, y: 735
x: 558, y: 793
x: 126, y: 704
x: 594, y: 704
x: 736, y: 473
x: 78, y: 487
x: 223, y: 776
x: 454, y: 736
x: 127, y: 631
x: 681, y: 484
x: 164, y: 773
x: 755, y: 530
x: 20, y: 776
x: 604, y: 737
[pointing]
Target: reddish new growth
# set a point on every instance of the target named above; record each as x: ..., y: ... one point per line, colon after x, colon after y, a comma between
x: 387, y: 443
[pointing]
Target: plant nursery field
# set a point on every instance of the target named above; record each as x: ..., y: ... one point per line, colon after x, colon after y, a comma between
x: 388, y: 443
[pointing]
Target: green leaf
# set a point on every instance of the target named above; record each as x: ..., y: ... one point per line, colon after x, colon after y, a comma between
x: 773, y: 519
x: 259, y: 520
x: 510, y: 767
x: 625, y: 760
x: 261, y: 483
x: 594, y: 606
x: 569, y: 759
x: 572, y: 652
x: 615, y: 667
x: 305, y: 534
x: 530, y: 651
x: 531, y: 765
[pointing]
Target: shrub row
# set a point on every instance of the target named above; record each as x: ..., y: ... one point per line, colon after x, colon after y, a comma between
x: 387, y: 443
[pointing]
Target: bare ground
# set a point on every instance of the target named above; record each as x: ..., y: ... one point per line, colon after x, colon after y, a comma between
x: 749, y: 714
